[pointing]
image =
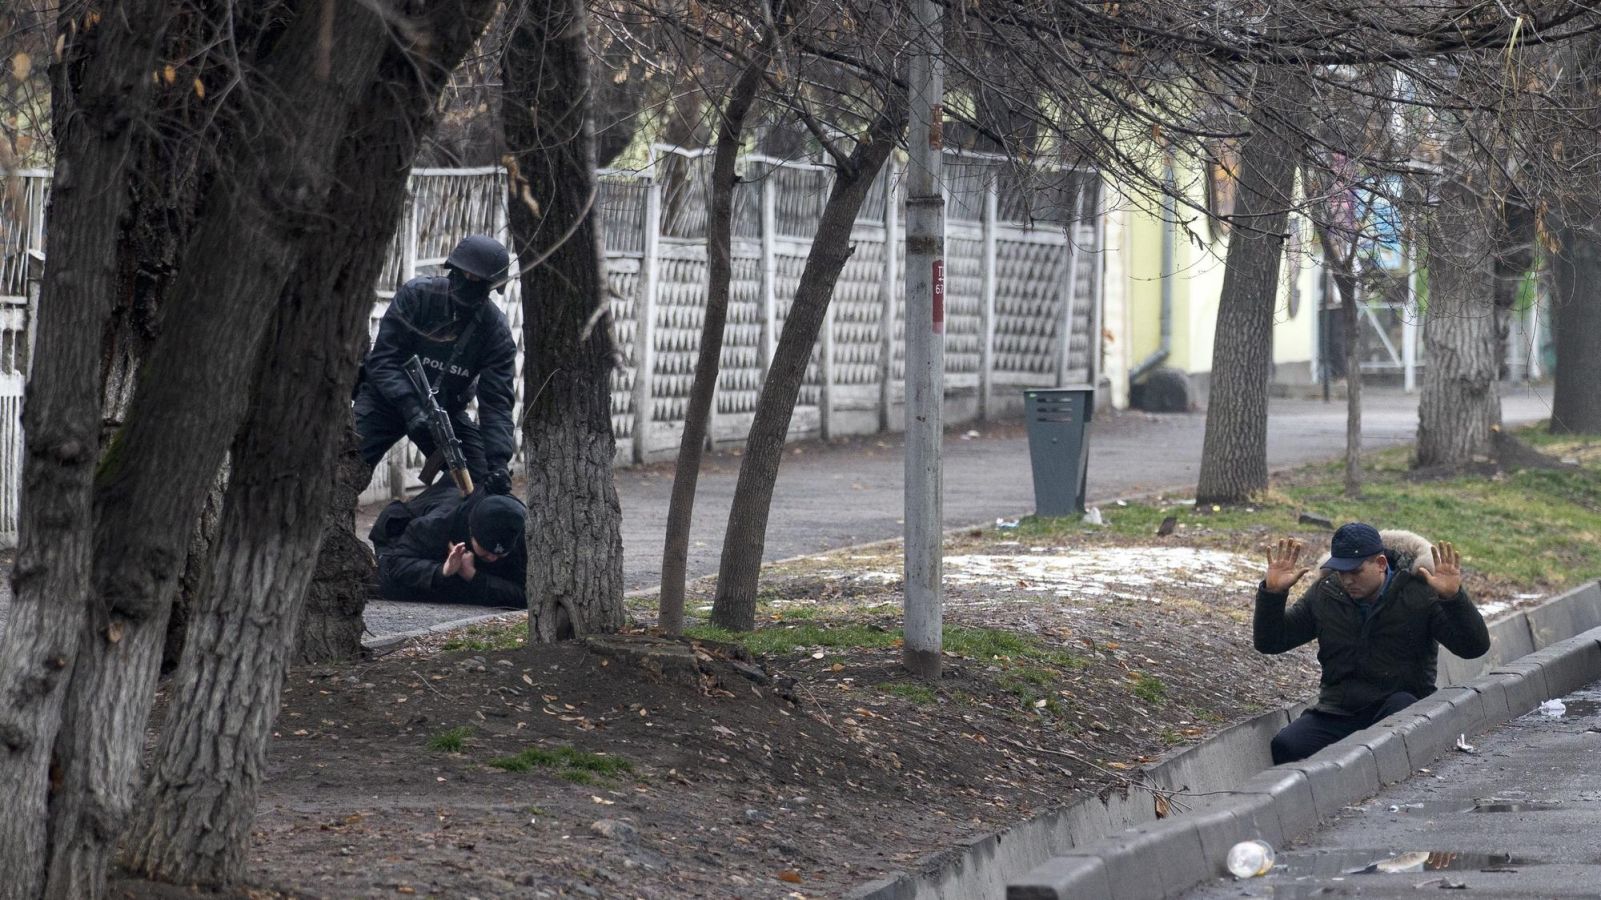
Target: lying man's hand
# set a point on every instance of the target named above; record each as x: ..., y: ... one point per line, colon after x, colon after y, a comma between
x: 459, y: 559
x: 1284, y: 567
x: 1445, y: 574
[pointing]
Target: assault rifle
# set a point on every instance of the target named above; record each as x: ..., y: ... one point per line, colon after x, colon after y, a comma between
x: 446, y: 446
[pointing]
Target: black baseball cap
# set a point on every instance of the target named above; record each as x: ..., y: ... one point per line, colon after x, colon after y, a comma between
x: 1354, y: 543
x: 496, y: 523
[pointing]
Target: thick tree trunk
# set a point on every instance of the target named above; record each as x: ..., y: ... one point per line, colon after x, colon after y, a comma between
x: 192, y: 581
x: 575, y: 573
x: 99, y: 91
x: 193, y: 824
x: 345, y: 572
x: 154, y: 480
x: 720, y: 272
x: 734, y: 606
x: 1459, y: 404
x: 1576, y: 308
x: 1234, y: 452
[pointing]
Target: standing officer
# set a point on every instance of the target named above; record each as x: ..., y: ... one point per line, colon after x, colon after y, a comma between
x: 467, y: 349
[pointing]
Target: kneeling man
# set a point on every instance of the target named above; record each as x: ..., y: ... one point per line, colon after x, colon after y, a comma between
x: 1379, y: 614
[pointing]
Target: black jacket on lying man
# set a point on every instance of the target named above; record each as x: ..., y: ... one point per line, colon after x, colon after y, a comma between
x: 466, y: 550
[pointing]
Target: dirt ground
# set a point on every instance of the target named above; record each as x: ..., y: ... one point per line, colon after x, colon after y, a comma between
x: 800, y: 774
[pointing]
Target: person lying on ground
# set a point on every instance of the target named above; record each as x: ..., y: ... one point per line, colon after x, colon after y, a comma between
x: 466, y: 550
x: 1380, y: 612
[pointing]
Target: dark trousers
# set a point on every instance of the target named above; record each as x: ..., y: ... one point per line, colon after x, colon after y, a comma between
x: 1315, y: 730
x: 380, y: 426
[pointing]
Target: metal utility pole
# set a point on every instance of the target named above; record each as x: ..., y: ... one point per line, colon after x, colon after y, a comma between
x: 925, y: 347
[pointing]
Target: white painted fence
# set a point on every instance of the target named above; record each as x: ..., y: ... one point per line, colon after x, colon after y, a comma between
x: 22, y: 196
x: 1021, y: 311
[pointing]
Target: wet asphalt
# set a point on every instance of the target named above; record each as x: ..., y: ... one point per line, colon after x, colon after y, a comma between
x: 849, y: 492
x: 1517, y: 817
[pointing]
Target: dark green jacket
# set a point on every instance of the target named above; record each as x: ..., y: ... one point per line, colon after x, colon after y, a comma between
x: 1395, y: 649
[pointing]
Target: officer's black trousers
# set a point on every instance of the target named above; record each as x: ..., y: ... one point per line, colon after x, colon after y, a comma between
x: 379, y: 426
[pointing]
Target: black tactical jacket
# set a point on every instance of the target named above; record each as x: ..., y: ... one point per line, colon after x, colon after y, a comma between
x: 409, y: 566
x: 423, y: 320
x: 1365, y: 660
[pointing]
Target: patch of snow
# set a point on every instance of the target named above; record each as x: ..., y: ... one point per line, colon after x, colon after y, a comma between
x: 1492, y: 609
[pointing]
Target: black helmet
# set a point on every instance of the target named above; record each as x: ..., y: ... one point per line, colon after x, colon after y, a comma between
x: 480, y: 255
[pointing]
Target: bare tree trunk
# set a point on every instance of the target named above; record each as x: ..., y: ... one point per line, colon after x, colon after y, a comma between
x: 194, y: 820
x: 720, y: 271
x: 1353, y: 384
x: 1576, y: 308
x: 98, y: 89
x: 331, y: 624
x: 1234, y: 452
x: 575, y: 577
x: 734, y: 606
x: 1459, y: 403
x: 155, y: 477
x: 1340, y: 258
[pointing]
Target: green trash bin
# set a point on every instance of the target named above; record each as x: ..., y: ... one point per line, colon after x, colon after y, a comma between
x: 1059, y: 447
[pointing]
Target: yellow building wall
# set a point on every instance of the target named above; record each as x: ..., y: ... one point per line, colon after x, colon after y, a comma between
x: 1198, y: 285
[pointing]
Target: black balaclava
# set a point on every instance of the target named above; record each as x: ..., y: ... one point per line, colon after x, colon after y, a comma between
x: 465, y: 293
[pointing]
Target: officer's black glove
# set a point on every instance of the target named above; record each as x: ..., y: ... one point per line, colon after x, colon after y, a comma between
x: 417, y: 430
x: 498, y: 481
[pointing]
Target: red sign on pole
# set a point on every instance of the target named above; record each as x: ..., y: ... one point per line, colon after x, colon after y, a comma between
x: 939, y: 296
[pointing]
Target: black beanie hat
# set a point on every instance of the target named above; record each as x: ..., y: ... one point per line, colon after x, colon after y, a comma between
x: 497, y: 523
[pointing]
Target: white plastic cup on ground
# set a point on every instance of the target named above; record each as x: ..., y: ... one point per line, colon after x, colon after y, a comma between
x: 1248, y: 859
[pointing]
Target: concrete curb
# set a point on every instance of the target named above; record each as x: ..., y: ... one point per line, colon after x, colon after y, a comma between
x: 1117, y: 848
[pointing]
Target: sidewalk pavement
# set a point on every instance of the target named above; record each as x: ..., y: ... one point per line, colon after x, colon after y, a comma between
x: 1517, y: 817
x: 845, y: 493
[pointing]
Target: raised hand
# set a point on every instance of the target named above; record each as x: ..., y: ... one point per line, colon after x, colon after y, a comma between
x: 469, y: 566
x: 1445, y: 574
x: 456, y: 561
x: 1284, y: 567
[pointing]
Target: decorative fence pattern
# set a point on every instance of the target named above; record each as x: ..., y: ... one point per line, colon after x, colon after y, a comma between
x: 22, y: 196
x: 1020, y: 294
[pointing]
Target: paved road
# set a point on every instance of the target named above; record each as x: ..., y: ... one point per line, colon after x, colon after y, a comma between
x: 830, y: 496
x: 1520, y: 817
x: 834, y: 496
